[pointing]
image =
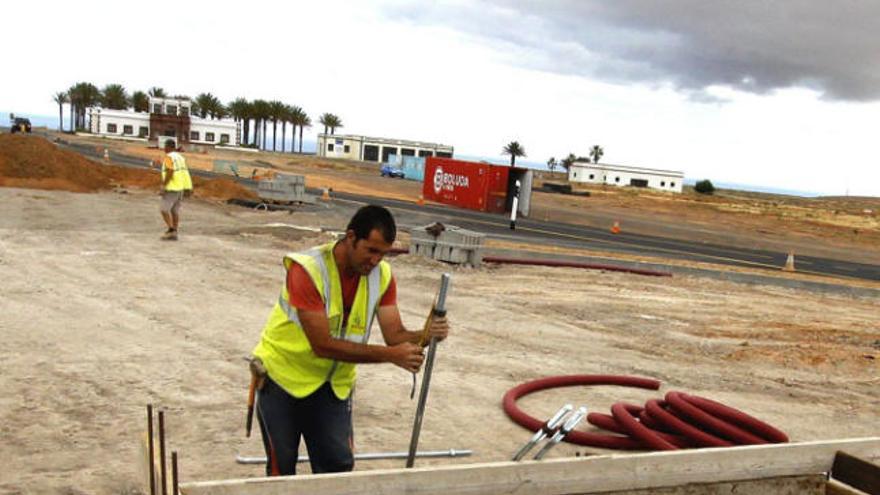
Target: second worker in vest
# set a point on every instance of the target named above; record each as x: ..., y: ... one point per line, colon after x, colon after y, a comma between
x: 176, y: 184
x: 317, y: 332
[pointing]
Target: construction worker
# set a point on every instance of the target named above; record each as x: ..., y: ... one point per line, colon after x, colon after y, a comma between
x: 176, y: 184
x: 315, y: 334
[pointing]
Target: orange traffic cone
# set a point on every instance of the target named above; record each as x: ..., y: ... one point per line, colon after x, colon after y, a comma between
x: 326, y: 194
x: 421, y: 200
x: 615, y: 229
x: 789, y: 263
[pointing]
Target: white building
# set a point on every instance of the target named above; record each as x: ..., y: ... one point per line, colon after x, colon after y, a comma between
x: 621, y: 175
x: 372, y: 149
x: 167, y: 118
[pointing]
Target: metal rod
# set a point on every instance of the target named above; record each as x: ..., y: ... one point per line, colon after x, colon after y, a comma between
x: 549, y: 427
x: 557, y: 437
x: 371, y: 456
x: 152, y: 449
x: 440, y: 310
x: 162, y: 469
x: 174, y: 483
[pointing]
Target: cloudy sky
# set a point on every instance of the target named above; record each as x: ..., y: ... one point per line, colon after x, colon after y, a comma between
x: 782, y: 94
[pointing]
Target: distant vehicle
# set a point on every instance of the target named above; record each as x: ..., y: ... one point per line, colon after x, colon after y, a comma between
x: 20, y: 124
x: 389, y: 171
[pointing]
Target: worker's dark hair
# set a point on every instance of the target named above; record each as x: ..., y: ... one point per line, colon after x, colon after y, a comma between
x: 169, y: 143
x: 372, y: 217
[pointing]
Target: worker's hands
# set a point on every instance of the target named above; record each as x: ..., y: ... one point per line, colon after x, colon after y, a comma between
x: 439, y: 329
x: 407, y: 355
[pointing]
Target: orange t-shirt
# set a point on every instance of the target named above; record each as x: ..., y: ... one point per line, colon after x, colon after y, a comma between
x: 304, y: 295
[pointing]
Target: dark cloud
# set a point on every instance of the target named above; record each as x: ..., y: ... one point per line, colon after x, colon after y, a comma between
x: 752, y: 45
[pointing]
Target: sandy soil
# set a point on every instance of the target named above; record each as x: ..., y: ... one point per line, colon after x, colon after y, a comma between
x: 98, y: 317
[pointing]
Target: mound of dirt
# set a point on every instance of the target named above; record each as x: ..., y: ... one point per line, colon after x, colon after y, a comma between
x: 35, y: 163
x: 221, y: 188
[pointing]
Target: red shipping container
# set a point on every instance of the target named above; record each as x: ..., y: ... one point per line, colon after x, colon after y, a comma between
x: 475, y: 186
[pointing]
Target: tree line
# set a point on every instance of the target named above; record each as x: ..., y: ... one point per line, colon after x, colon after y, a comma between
x: 254, y: 115
x: 515, y: 150
x: 596, y: 152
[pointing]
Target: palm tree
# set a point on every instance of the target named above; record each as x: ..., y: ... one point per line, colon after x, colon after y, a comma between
x: 114, y: 97
x: 551, y: 164
x: 302, y: 120
x: 157, y: 92
x: 83, y: 95
x: 203, y: 104
x: 140, y: 101
x: 292, y: 112
x: 285, y: 116
x: 323, y: 120
x: 331, y: 121
x: 276, y: 112
x: 596, y: 153
x: 568, y: 161
x: 514, y: 149
x: 61, y: 98
x: 262, y: 109
x: 239, y: 109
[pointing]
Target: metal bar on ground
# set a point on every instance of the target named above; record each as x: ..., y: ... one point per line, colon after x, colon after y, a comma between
x: 174, y: 483
x: 371, y: 456
x: 162, y: 470
x: 152, y: 449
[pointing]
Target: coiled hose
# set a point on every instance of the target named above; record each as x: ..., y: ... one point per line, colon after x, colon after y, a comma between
x: 679, y: 421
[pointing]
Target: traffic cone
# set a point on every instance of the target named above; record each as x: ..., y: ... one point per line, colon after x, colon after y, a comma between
x: 789, y: 263
x: 421, y: 200
x: 615, y: 229
x: 106, y: 155
x: 326, y: 194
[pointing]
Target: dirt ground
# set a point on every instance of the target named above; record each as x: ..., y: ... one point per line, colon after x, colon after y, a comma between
x: 98, y: 318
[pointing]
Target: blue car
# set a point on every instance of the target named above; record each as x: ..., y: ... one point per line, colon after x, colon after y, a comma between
x: 389, y: 171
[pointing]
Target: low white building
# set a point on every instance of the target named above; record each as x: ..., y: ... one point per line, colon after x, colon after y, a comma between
x: 622, y: 175
x: 377, y: 150
x: 167, y: 117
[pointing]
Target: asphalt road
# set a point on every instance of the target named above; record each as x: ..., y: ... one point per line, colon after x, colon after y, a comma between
x: 575, y: 236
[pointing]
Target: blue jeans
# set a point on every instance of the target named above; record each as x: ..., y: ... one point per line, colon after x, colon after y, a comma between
x: 321, y: 418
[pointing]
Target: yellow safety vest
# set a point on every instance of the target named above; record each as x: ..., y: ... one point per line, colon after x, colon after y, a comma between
x: 180, y: 181
x: 284, y: 348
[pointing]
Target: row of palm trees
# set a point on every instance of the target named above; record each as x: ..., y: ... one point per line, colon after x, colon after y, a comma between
x: 254, y: 115
x: 596, y: 152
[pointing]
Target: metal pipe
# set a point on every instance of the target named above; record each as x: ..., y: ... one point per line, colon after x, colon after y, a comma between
x: 439, y: 310
x: 549, y: 427
x: 371, y: 456
x: 163, y: 474
x: 174, y: 484
x: 557, y: 437
x: 573, y: 264
x: 152, y: 449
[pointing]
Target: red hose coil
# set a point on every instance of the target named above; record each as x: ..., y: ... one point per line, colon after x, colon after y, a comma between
x: 576, y: 437
x: 647, y: 436
x: 738, y: 417
x: 692, y: 432
x: 710, y: 422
